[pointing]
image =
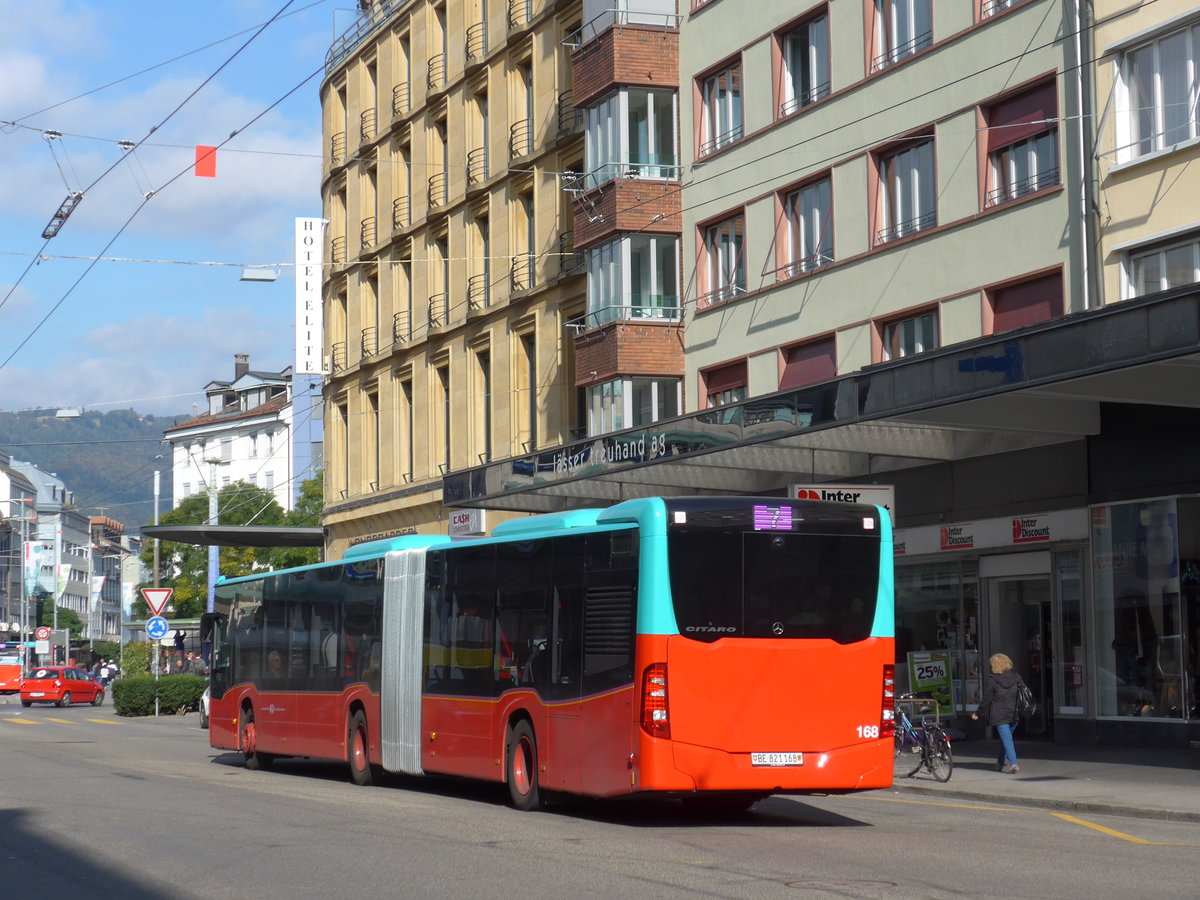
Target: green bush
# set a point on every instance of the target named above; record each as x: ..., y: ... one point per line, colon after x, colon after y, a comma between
x: 176, y: 694
x: 135, y: 657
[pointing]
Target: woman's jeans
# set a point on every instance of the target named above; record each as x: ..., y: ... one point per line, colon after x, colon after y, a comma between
x: 1006, y: 744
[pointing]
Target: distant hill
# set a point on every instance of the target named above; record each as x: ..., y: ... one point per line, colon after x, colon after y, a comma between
x: 107, y: 460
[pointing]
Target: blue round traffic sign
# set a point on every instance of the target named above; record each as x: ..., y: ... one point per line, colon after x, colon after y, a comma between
x: 157, y: 627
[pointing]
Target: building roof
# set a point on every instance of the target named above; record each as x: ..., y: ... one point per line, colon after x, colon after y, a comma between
x: 274, y: 405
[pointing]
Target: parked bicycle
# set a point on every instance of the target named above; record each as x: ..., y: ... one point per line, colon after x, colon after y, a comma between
x: 920, y: 745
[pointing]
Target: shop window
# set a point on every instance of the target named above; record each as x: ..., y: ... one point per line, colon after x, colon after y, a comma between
x: 1162, y: 267
x: 1026, y: 303
x: 1022, y: 144
x: 808, y: 363
x: 1156, y: 94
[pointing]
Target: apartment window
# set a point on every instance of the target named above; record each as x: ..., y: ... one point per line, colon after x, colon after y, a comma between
x: 187, y: 488
x: 808, y: 363
x: 902, y: 28
x: 804, y: 56
x: 989, y: 8
x: 527, y: 372
x: 725, y: 385
x: 269, y: 480
x: 1026, y: 303
x: 226, y: 449
x: 1022, y: 144
x: 1163, y: 267
x: 632, y: 403
x: 443, y: 385
x: 406, y: 392
x: 484, y: 389
x: 721, y: 108
x: 632, y: 132
x: 907, y: 191
x: 808, y: 216
x: 373, y: 442
x: 725, y: 260
x: 1157, y: 94
x: 914, y: 334
x: 635, y: 277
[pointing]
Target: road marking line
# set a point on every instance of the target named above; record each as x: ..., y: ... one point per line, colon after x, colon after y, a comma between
x: 1119, y: 834
x: 19, y: 721
x: 60, y: 721
x: 104, y: 721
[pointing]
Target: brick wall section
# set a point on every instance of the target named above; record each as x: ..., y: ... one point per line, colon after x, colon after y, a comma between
x: 629, y: 348
x: 627, y: 204
x: 637, y: 55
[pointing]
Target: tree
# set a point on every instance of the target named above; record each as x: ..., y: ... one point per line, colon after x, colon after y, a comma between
x: 185, y: 566
x: 67, y: 618
x: 306, y: 513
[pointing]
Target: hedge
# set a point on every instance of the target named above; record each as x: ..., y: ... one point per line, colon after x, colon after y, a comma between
x: 177, y: 694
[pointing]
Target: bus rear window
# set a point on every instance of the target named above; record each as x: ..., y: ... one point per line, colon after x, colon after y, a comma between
x: 767, y: 583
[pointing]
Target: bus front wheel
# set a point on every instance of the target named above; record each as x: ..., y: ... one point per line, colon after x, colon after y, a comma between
x: 357, y: 751
x: 521, y: 770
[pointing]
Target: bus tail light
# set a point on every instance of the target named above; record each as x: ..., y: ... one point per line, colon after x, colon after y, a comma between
x: 887, y: 717
x: 655, y: 721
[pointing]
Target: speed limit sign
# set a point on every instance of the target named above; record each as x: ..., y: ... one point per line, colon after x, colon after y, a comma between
x: 42, y: 634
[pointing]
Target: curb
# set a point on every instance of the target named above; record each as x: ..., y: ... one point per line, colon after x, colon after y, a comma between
x: 1108, y: 809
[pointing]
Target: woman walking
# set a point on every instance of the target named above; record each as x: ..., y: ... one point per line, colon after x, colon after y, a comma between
x: 998, y: 708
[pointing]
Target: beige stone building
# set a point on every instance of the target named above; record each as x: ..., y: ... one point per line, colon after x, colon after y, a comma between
x: 451, y: 269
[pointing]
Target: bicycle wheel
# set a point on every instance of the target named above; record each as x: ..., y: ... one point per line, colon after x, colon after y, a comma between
x: 939, y: 758
x: 907, y: 757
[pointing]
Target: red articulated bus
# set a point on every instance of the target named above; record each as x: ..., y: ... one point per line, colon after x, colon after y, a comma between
x: 717, y: 649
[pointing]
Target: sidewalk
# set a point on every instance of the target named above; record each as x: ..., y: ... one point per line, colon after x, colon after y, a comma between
x: 1145, y: 783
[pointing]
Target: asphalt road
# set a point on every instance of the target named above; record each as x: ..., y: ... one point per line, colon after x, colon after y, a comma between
x: 92, y: 805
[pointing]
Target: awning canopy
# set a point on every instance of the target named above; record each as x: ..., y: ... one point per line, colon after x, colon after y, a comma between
x: 237, y: 535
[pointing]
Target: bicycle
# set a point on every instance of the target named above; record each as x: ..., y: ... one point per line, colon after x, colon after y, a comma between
x: 925, y: 745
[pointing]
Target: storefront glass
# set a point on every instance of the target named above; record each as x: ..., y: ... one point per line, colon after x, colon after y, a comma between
x: 1139, y: 631
x: 937, y: 608
x: 1069, y: 684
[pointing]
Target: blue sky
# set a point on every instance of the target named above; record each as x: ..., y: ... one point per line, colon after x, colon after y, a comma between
x: 150, y: 335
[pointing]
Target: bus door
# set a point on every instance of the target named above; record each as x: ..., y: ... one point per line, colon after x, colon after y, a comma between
x: 562, y: 689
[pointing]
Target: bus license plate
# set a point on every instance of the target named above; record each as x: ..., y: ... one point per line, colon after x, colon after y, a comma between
x: 776, y: 759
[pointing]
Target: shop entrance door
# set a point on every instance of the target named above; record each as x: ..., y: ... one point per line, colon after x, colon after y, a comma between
x: 1019, y: 611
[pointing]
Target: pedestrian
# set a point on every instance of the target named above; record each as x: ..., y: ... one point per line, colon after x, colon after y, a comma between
x: 105, y: 673
x: 998, y: 708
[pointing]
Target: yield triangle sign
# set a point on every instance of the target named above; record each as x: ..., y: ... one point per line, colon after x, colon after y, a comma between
x: 157, y: 598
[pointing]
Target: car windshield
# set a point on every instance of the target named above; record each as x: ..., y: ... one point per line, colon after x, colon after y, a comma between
x: 45, y: 673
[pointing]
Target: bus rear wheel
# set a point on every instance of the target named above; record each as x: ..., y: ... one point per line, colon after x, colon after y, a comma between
x: 249, y: 742
x: 362, y: 772
x: 521, y: 769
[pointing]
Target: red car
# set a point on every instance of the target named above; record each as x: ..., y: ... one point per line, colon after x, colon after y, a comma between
x: 63, y: 685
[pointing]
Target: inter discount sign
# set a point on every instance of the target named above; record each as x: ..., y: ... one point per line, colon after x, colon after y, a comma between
x: 157, y: 598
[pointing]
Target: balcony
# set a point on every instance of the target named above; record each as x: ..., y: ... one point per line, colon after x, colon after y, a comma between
x: 479, y: 292
x: 803, y: 99
x: 439, y: 310
x: 520, y: 12
x: 721, y: 140
x: 477, y: 166
x: 904, y: 229
x: 902, y: 52
x: 337, y: 249
x: 370, y: 341
x: 723, y: 294
x: 477, y: 42
x: 437, y: 189
x: 337, y: 356
x: 570, y: 261
x: 1012, y: 191
x: 400, y: 213
x: 520, y: 141
x: 401, y: 329
x: 337, y: 148
x: 642, y: 307
x: 570, y: 119
x: 523, y: 275
x: 367, y: 232
x: 400, y: 99
x: 435, y: 72
x: 367, y: 125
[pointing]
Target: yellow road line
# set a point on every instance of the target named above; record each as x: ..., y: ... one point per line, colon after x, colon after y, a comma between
x: 19, y: 721
x: 60, y: 721
x: 104, y: 721
x: 1119, y: 834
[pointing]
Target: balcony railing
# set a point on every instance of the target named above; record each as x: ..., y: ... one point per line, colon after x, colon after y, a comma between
x: 438, y: 309
x: 373, y: 17
x: 991, y: 7
x: 337, y: 148
x: 477, y: 166
x: 367, y: 124
x: 1016, y: 189
x: 400, y: 99
x: 477, y: 42
x: 570, y: 119
x: 370, y: 341
x: 367, y: 232
x: 401, y: 331
x: 479, y: 292
x: 337, y: 356
x: 903, y: 229
x: 570, y: 261
x: 337, y: 249
x: 437, y: 189
x: 803, y: 99
x: 523, y: 273
x: 902, y: 51
x: 648, y: 165
x: 519, y: 142
x: 641, y: 307
x: 799, y: 267
x: 721, y: 140
x: 520, y: 12
x: 435, y: 74
x: 720, y: 295
x: 400, y: 213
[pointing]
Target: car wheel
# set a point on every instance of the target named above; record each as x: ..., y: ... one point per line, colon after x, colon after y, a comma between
x: 27, y: 703
x: 66, y: 700
x: 98, y: 700
x: 203, y: 719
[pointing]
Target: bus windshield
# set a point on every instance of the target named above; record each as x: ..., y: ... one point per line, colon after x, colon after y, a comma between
x: 768, y: 572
